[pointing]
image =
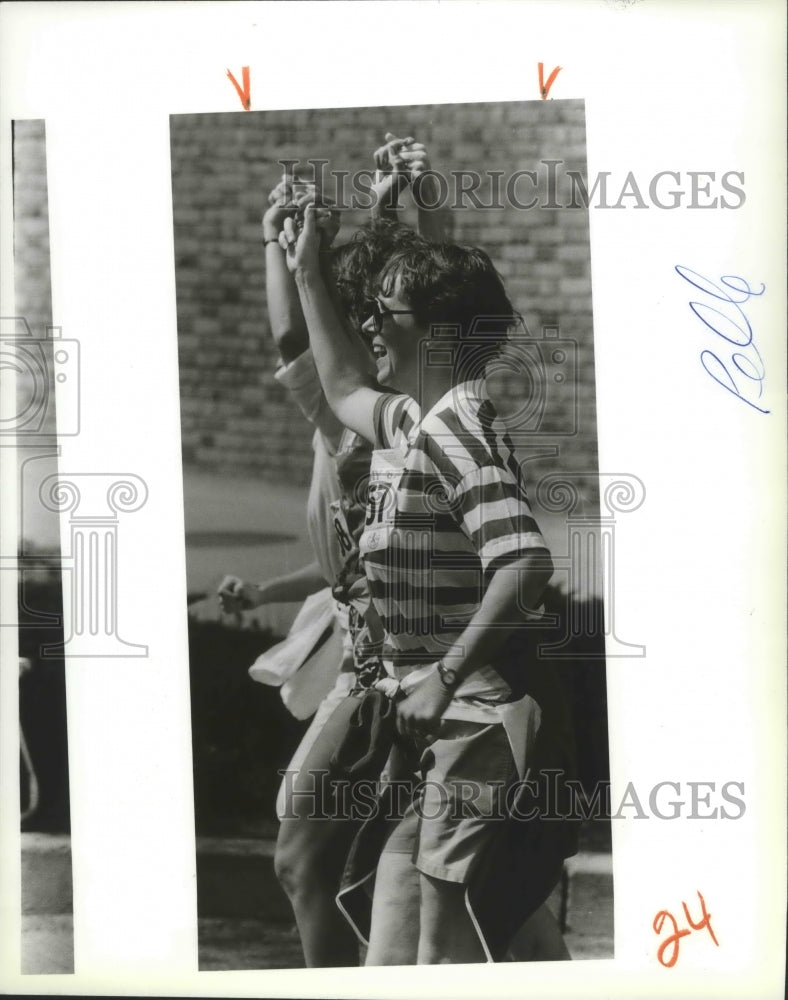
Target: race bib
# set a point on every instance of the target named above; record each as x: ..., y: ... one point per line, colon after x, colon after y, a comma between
x: 341, y: 529
x: 385, y: 471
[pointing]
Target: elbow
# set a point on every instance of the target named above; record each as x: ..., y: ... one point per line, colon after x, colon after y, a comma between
x: 547, y: 566
x: 335, y: 392
x: 290, y: 343
x: 341, y: 385
x: 539, y: 569
x: 545, y: 569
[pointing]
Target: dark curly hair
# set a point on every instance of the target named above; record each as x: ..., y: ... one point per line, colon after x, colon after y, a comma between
x: 355, y: 265
x: 457, y: 288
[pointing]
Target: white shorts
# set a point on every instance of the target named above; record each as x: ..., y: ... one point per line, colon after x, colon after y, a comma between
x: 340, y: 691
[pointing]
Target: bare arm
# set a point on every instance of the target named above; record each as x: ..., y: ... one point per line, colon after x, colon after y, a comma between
x: 286, y: 318
x: 514, y: 591
x: 392, y: 177
x: 433, y: 218
x: 341, y: 361
x: 284, y: 308
x: 433, y: 223
x: 512, y: 597
x: 236, y: 594
x: 401, y: 162
x: 288, y: 326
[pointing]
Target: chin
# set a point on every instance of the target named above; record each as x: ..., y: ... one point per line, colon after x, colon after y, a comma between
x: 383, y: 374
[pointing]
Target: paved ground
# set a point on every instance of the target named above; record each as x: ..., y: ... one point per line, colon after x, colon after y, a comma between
x: 237, y: 504
x: 240, y: 504
x: 233, y: 944
x: 258, y: 944
x: 228, y: 505
x: 247, y: 922
x: 47, y: 943
x: 234, y: 524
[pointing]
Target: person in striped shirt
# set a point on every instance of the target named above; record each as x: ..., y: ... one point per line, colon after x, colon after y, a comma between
x: 455, y: 561
x: 310, y: 854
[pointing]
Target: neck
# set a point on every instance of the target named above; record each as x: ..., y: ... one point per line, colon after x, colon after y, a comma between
x: 431, y: 386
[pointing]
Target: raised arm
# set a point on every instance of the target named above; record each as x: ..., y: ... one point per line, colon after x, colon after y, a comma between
x: 286, y: 317
x: 401, y: 162
x: 433, y: 218
x: 340, y: 359
x: 392, y: 177
x: 288, y: 326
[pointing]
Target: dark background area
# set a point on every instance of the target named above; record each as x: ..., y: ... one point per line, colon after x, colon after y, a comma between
x: 242, y: 734
x: 42, y: 697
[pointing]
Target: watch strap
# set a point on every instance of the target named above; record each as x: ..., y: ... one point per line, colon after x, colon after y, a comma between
x: 448, y: 677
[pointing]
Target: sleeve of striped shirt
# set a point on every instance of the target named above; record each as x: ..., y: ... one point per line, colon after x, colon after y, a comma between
x: 491, y: 507
x: 395, y: 416
x: 487, y: 493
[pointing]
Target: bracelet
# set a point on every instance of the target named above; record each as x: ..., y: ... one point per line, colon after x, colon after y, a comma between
x: 274, y: 240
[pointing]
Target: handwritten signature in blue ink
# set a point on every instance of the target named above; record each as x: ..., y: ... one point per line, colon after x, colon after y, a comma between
x: 742, y: 370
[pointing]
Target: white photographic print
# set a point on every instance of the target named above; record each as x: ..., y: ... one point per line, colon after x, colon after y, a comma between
x: 393, y: 488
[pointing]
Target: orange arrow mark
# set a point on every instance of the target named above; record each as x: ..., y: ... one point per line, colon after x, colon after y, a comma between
x: 244, y: 93
x: 544, y: 88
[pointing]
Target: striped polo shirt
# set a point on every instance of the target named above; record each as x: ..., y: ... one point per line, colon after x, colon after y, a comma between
x: 446, y: 508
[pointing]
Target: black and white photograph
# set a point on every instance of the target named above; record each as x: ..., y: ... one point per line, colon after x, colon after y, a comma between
x: 30, y: 348
x: 448, y: 565
x: 393, y: 480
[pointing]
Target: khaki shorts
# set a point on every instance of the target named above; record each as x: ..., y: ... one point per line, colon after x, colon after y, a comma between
x: 465, y: 773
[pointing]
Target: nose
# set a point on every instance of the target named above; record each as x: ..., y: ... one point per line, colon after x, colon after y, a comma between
x: 368, y: 326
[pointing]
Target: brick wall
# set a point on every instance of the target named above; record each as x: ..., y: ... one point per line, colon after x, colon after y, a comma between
x: 234, y: 415
x: 32, y: 283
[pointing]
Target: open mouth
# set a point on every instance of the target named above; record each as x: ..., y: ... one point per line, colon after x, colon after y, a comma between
x: 379, y: 351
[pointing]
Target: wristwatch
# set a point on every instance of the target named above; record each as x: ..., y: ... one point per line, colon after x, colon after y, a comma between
x: 448, y: 677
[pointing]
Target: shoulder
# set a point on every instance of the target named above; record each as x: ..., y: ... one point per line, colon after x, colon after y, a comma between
x: 460, y: 429
x: 465, y: 407
x: 396, y: 416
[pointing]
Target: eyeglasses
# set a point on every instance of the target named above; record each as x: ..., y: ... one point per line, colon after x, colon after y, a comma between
x: 375, y: 311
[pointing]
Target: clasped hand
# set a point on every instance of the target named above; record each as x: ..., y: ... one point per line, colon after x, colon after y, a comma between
x: 235, y: 595
x: 420, y: 712
x: 303, y: 247
x: 402, y: 156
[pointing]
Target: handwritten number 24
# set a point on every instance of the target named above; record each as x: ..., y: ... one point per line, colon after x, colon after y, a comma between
x: 672, y: 940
